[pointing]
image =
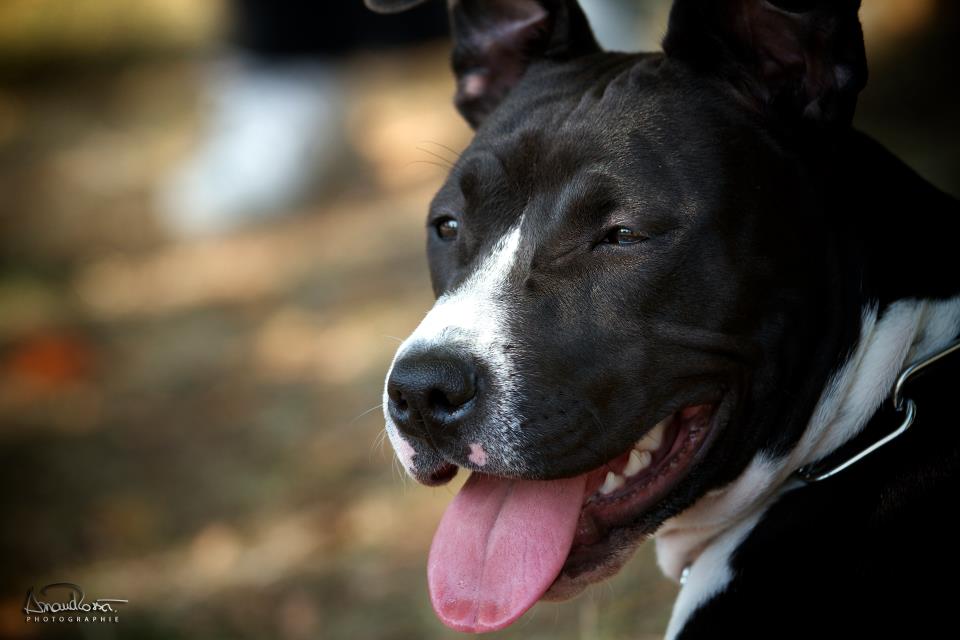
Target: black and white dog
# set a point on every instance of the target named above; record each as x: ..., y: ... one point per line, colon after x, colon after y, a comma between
x: 673, y: 289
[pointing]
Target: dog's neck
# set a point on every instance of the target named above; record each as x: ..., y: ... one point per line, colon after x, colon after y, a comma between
x: 906, y: 332
x: 703, y: 536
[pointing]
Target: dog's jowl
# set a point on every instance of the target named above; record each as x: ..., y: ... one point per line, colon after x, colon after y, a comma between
x: 675, y: 292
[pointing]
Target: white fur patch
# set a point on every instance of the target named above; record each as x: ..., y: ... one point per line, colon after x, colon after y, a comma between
x: 680, y: 539
x: 477, y: 455
x: 709, y: 575
x: 405, y: 453
x: 473, y: 319
x: 908, y: 331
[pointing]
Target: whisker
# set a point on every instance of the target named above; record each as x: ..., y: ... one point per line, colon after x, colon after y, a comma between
x: 442, y: 146
x: 373, y: 408
x: 445, y: 167
x: 400, y: 471
x: 378, y: 442
x: 437, y: 156
x: 400, y: 340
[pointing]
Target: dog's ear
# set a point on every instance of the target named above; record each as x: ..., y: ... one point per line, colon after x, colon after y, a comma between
x: 496, y: 40
x: 802, y: 60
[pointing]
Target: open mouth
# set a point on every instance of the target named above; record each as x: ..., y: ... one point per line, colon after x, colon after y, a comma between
x: 504, y: 544
x: 620, y: 491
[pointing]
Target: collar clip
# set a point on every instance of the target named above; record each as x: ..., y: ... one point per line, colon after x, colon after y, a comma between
x: 815, y: 472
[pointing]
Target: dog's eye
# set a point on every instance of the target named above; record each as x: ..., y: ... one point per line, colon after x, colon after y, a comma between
x: 446, y: 228
x: 623, y: 235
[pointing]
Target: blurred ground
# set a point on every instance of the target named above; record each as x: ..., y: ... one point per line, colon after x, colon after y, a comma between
x: 195, y: 426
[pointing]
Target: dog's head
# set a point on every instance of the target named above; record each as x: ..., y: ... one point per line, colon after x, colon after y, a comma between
x: 630, y: 262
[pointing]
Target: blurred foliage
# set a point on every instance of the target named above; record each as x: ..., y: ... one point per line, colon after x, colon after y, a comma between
x: 37, y: 31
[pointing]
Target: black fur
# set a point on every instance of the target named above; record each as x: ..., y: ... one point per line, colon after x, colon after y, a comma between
x: 770, y: 225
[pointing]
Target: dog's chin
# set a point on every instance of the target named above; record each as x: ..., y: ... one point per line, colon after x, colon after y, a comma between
x: 576, y: 576
x: 615, y: 520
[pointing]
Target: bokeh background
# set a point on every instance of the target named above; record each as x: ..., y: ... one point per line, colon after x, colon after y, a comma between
x: 194, y: 424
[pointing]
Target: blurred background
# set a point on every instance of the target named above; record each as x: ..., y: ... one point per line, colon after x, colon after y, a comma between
x: 211, y: 232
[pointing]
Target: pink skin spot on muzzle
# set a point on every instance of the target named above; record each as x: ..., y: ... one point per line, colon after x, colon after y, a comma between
x: 477, y: 455
x: 405, y: 453
x: 474, y: 85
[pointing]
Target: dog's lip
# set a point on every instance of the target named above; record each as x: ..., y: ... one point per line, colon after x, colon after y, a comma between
x: 603, y: 557
x: 438, y: 475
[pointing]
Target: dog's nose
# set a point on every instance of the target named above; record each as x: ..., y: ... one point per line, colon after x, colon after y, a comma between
x: 431, y: 391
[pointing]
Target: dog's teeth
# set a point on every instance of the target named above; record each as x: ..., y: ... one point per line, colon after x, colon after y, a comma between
x: 611, y: 483
x: 639, y: 460
x: 652, y: 440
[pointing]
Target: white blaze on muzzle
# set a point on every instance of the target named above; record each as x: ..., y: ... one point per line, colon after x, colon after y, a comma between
x: 473, y: 319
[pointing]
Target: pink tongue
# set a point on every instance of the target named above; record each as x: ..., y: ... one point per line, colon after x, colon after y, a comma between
x: 499, y: 547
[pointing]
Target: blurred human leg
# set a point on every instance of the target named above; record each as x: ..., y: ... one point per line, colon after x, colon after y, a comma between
x: 274, y: 128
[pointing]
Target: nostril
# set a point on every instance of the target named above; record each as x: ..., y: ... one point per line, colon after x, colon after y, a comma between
x: 448, y: 400
x: 450, y: 397
x: 437, y: 398
x: 396, y: 395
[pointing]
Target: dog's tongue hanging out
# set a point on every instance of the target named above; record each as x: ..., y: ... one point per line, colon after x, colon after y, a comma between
x: 499, y: 547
